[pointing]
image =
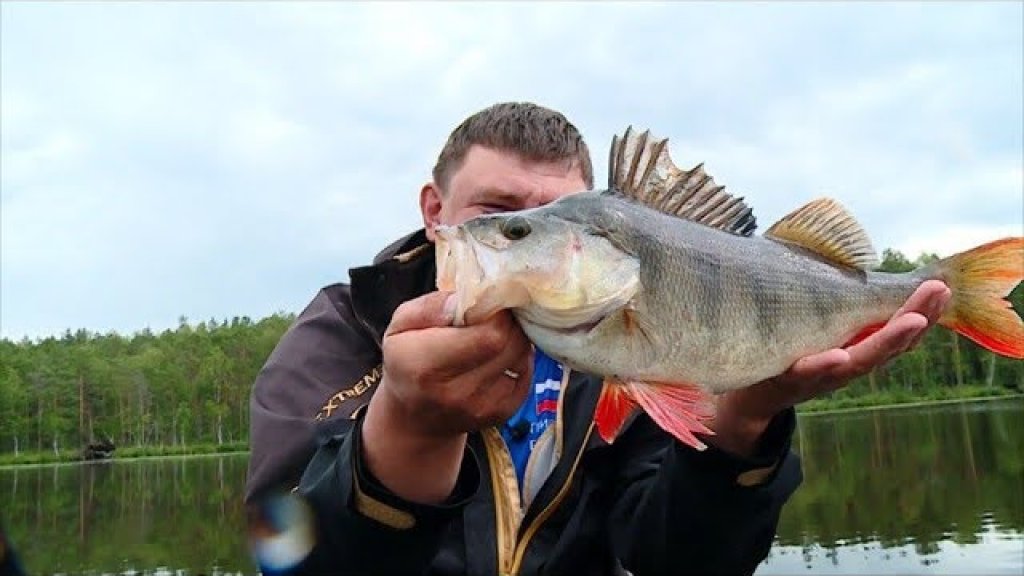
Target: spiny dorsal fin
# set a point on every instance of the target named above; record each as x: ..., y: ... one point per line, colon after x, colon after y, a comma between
x: 640, y: 167
x: 824, y: 227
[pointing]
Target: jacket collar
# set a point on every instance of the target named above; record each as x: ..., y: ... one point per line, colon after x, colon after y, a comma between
x: 403, y: 270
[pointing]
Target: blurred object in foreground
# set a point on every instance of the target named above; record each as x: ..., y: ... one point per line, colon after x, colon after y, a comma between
x: 281, y: 533
x: 9, y: 564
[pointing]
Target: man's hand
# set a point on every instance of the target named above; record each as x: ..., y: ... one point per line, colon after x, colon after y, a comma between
x: 742, y: 415
x: 439, y: 383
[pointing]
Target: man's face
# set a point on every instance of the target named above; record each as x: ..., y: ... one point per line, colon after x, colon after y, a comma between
x: 491, y: 181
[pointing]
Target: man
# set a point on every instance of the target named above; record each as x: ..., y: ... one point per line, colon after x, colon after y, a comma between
x: 438, y: 451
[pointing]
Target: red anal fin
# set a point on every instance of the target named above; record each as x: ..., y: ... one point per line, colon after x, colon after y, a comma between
x: 864, y: 333
x: 678, y: 408
x: 613, y: 408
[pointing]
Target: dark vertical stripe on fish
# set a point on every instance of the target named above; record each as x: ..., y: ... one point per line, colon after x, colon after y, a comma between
x: 820, y: 301
x: 768, y: 304
x: 709, y: 281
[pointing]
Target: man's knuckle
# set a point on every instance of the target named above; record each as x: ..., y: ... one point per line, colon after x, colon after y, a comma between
x: 404, y: 311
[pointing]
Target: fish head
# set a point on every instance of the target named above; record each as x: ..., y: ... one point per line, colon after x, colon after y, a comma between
x: 549, y: 270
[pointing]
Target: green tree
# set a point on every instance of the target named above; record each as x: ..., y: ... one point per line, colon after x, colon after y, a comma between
x: 14, y: 403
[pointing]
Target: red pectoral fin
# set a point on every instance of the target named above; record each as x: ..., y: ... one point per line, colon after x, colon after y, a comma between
x: 613, y: 408
x: 676, y: 408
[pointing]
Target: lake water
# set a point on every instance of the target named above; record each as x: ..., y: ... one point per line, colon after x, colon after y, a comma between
x: 935, y: 490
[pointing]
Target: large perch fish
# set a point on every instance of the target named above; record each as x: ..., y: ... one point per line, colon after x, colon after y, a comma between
x: 659, y: 285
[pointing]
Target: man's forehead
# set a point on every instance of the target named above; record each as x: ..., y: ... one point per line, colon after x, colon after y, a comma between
x: 523, y: 191
x: 495, y: 173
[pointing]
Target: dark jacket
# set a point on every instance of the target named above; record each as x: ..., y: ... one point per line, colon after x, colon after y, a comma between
x: 646, y: 503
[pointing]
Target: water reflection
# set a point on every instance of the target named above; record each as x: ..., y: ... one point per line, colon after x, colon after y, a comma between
x: 994, y: 553
x: 117, y: 516
x: 909, y: 491
x: 933, y: 490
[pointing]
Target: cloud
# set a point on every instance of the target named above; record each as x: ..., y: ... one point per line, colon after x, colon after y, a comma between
x: 212, y: 160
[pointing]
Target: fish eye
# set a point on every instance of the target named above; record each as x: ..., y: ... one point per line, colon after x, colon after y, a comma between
x: 515, y: 228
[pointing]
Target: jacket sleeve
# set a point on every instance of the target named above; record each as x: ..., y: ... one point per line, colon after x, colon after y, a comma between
x: 320, y: 362
x: 700, y: 512
x: 305, y: 455
x: 361, y: 527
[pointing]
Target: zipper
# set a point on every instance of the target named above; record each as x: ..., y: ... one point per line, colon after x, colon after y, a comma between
x: 508, y: 507
x: 508, y: 511
x: 531, y: 530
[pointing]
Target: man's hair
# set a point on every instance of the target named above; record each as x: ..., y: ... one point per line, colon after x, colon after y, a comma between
x: 534, y: 133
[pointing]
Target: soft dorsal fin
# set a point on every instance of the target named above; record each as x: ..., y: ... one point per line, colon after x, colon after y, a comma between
x: 639, y: 167
x: 824, y: 227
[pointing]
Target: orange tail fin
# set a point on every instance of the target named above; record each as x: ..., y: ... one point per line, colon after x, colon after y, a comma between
x: 980, y: 280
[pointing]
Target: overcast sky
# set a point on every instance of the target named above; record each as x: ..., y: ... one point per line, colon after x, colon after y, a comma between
x: 219, y: 160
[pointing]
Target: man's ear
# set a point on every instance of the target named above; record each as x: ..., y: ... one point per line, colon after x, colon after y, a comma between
x: 431, y: 203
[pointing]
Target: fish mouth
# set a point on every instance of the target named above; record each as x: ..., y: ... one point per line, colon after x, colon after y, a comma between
x: 447, y: 238
x: 469, y: 268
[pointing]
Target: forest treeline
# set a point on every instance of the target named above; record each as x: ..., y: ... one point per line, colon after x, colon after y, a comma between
x: 185, y: 386
x: 190, y: 386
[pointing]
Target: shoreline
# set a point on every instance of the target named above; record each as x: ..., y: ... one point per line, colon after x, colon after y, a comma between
x: 121, y: 460
x: 208, y: 451
x: 914, y: 404
x: 129, y: 454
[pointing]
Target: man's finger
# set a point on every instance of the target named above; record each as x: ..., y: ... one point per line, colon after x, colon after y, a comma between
x: 938, y: 301
x: 881, y: 346
x: 514, y: 390
x: 819, y: 365
x: 930, y: 300
x: 451, y: 352
x: 515, y: 356
x: 433, y: 310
